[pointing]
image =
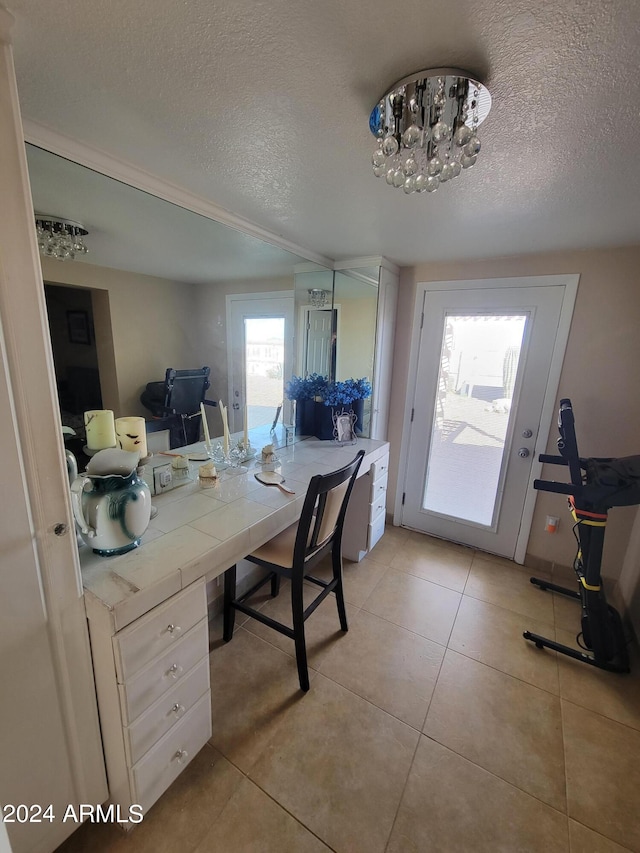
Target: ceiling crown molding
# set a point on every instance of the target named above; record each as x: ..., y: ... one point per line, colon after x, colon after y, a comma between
x: 106, y: 164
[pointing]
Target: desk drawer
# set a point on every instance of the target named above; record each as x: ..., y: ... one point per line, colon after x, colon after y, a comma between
x: 163, y: 673
x: 379, y: 487
x: 379, y: 507
x: 380, y: 468
x: 161, y: 628
x: 164, y: 762
x: 166, y: 712
x: 376, y: 530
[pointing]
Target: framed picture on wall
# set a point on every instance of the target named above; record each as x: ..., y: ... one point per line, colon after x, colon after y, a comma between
x: 78, y: 327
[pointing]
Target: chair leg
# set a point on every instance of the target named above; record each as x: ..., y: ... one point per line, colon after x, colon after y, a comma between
x: 275, y: 585
x: 297, y: 608
x: 336, y: 561
x: 229, y: 615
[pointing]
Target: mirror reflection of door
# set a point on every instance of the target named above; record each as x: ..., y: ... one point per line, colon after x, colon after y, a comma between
x: 260, y: 351
x: 319, y: 355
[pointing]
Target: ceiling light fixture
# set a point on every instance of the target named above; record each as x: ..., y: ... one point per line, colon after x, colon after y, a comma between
x: 60, y: 238
x: 318, y: 297
x: 426, y: 127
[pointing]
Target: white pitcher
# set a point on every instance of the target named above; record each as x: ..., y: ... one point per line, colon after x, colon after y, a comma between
x: 111, y: 504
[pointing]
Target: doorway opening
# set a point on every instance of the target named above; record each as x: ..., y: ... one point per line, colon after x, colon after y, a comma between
x: 75, y: 354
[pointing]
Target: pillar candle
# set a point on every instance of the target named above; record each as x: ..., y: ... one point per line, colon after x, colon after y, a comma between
x: 205, y: 427
x: 131, y: 434
x: 100, y: 429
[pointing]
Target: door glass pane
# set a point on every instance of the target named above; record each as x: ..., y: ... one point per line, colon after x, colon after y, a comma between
x: 264, y: 366
x: 478, y: 367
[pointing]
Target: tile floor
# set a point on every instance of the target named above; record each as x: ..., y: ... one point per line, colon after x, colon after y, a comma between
x: 430, y: 726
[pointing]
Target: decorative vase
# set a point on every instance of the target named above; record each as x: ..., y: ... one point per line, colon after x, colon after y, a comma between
x: 323, y: 424
x: 357, y: 407
x: 111, y: 504
x: 305, y: 417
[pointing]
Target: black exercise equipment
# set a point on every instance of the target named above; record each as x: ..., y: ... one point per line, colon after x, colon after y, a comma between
x: 606, y: 483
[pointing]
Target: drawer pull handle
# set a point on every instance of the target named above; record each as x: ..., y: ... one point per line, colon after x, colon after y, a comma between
x: 173, y: 629
x: 181, y: 755
x: 177, y: 709
x: 174, y: 670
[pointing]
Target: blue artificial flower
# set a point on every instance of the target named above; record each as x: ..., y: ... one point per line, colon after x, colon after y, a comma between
x: 344, y: 393
x: 308, y: 388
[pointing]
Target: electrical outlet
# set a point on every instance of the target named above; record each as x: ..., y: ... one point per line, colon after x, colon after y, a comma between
x: 162, y: 478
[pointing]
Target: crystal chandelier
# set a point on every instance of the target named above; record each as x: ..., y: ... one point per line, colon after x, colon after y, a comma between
x: 60, y: 238
x: 318, y: 298
x: 426, y: 127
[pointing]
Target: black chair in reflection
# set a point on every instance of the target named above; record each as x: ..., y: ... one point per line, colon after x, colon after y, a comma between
x: 293, y: 553
x: 175, y: 404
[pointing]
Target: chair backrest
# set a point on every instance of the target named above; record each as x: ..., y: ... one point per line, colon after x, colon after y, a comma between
x: 185, y: 389
x: 324, y: 509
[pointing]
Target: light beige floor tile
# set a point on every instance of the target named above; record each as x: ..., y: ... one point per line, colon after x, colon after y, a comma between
x: 584, y: 840
x: 416, y: 604
x: 614, y: 695
x: 322, y: 629
x: 253, y: 685
x: 452, y: 806
x: 415, y: 537
x: 426, y: 558
x: 603, y: 774
x: 387, y: 547
x: 566, y: 612
x: 508, y: 586
x: 493, y: 636
x: 339, y: 766
x: 359, y: 579
x: 508, y: 727
x: 180, y: 818
x: 388, y: 665
x: 253, y: 823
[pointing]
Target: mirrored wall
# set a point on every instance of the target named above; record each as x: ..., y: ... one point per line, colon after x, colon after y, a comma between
x: 163, y: 287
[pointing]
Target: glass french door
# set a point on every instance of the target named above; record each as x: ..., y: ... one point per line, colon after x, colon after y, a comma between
x: 261, y: 352
x: 482, y: 370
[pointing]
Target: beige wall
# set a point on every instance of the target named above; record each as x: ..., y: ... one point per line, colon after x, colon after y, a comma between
x: 356, y: 336
x: 599, y: 374
x: 151, y: 324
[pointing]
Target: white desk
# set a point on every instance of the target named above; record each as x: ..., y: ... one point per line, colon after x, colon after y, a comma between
x: 147, y: 609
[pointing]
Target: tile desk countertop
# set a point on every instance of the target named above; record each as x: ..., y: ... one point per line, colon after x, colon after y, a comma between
x: 201, y: 532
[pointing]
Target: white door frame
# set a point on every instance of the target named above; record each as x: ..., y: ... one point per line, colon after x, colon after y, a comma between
x: 37, y: 482
x: 570, y: 284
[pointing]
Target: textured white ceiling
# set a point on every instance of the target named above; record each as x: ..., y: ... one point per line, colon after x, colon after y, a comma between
x: 263, y: 108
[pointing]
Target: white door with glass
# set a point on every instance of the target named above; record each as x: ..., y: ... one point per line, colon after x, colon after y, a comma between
x: 260, y: 352
x: 484, y: 360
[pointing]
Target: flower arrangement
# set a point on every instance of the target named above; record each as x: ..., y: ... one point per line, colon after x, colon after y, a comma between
x: 345, y: 393
x: 307, y: 388
x: 317, y: 387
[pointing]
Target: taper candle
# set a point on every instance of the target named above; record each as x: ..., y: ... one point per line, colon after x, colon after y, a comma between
x: 246, y: 431
x: 205, y: 427
x: 100, y: 429
x: 225, y: 428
